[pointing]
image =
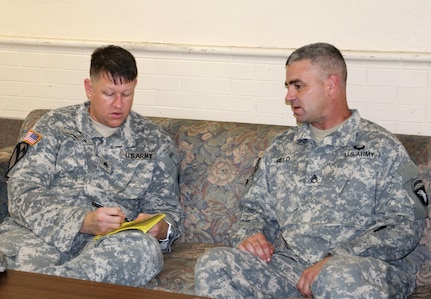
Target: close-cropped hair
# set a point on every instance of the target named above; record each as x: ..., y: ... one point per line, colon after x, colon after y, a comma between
x: 115, y: 62
x: 325, y: 55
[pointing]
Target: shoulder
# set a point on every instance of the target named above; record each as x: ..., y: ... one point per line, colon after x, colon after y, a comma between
x: 63, y: 114
x: 389, y: 149
x: 377, y: 135
x: 147, y: 134
x: 141, y: 125
x: 286, y: 136
x: 283, y: 142
x: 55, y: 119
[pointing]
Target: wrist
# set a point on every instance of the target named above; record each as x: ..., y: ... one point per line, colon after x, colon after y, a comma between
x: 169, y: 232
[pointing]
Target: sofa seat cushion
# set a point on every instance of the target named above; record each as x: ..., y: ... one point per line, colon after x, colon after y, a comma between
x: 421, y: 292
x: 178, y: 271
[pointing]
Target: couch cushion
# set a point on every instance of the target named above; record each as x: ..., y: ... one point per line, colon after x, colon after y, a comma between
x: 217, y: 160
x: 178, y: 270
x: 9, y: 131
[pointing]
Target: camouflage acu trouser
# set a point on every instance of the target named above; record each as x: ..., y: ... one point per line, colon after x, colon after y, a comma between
x: 230, y: 273
x: 128, y: 258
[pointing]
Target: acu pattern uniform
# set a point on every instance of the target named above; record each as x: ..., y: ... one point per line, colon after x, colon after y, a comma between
x: 52, y: 187
x: 350, y: 196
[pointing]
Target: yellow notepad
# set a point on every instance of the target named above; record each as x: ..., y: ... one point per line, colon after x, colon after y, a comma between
x: 143, y: 225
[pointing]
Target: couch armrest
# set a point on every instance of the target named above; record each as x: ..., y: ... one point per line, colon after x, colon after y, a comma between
x: 5, y: 154
x: 15, y: 128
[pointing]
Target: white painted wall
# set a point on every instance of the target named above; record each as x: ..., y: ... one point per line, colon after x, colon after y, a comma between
x: 220, y: 60
x: 363, y: 25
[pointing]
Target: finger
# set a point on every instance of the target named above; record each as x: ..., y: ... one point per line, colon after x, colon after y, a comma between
x: 142, y: 216
x: 304, y: 286
x: 248, y: 247
x: 114, y: 214
x: 305, y: 291
x: 256, y: 249
x: 264, y: 248
x: 264, y: 252
x: 154, y: 231
x: 268, y: 251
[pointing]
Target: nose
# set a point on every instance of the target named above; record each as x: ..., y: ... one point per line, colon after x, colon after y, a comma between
x: 289, y: 96
x: 118, y: 101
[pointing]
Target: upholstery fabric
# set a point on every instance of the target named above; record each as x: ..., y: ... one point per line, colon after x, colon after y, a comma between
x: 217, y: 160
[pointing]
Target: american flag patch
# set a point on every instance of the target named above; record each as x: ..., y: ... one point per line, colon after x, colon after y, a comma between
x: 32, y: 137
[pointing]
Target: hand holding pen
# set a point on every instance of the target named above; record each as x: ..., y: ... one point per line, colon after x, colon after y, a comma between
x: 99, y: 205
x: 102, y: 220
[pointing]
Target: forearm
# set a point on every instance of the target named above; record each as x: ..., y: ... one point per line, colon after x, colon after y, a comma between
x: 253, y: 219
x: 391, y: 242
x: 163, y: 193
x: 47, y: 216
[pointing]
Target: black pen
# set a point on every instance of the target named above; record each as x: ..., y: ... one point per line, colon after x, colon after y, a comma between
x: 99, y: 205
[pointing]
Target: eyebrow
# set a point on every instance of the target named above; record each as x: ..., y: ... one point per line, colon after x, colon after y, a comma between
x: 292, y: 82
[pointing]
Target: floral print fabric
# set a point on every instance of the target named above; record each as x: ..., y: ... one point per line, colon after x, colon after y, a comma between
x: 217, y: 159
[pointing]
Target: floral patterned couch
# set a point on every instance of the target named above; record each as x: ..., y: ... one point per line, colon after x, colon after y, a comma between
x: 217, y: 159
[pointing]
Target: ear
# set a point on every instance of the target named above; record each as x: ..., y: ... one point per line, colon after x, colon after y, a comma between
x: 88, y: 85
x: 333, y: 83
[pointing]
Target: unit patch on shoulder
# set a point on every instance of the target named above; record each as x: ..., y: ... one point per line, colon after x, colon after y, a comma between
x: 419, y: 190
x: 32, y: 137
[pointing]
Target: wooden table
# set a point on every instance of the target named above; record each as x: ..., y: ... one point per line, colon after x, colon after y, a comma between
x: 22, y: 285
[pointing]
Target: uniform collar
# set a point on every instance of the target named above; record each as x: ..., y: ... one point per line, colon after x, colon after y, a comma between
x: 344, y: 135
x: 85, y: 125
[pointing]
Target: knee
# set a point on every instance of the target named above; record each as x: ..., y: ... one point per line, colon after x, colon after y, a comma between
x: 137, y: 252
x: 212, y: 259
x: 337, y: 271
x: 211, y: 268
x: 148, y: 248
x: 213, y: 263
x: 342, y: 277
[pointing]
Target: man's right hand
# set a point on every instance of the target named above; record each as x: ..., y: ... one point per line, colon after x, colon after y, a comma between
x: 102, y: 221
x: 259, y: 246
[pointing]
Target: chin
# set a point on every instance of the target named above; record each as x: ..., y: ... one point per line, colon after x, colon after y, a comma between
x: 116, y: 123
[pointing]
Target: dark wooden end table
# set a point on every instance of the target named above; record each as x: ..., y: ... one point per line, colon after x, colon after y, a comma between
x: 22, y: 285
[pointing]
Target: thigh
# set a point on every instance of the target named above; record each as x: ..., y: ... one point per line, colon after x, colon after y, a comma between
x: 359, y: 277
x: 129, y: 258
x: 24, y: 250
x: 229, y: 272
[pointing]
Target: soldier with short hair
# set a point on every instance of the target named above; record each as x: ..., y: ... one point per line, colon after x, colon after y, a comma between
x: 335, y: 208
x: 99, y: 153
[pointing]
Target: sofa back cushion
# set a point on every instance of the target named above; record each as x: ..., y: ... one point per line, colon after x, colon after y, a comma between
x: 217, y: 160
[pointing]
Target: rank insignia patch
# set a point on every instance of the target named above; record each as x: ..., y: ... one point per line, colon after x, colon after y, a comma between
x: 32, y: 137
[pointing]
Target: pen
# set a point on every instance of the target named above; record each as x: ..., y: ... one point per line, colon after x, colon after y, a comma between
x: 99, y: 205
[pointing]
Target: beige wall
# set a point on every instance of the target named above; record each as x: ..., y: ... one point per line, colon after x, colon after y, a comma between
x: 221, y: 60
x: 364, y: 25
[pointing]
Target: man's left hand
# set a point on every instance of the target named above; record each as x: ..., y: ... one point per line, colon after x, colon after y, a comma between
x: 158, y: 231
x: 309, y: 275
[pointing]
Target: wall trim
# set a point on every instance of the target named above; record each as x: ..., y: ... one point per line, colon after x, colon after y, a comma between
x: 46, y: 43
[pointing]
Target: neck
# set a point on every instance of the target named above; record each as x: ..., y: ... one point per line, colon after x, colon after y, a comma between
x: 333, y: 119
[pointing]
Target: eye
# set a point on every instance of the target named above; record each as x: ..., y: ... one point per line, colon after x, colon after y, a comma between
x: 108, y: 94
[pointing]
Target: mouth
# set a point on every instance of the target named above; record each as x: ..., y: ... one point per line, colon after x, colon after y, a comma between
x: 296, y: 109
x: 117, y: 115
